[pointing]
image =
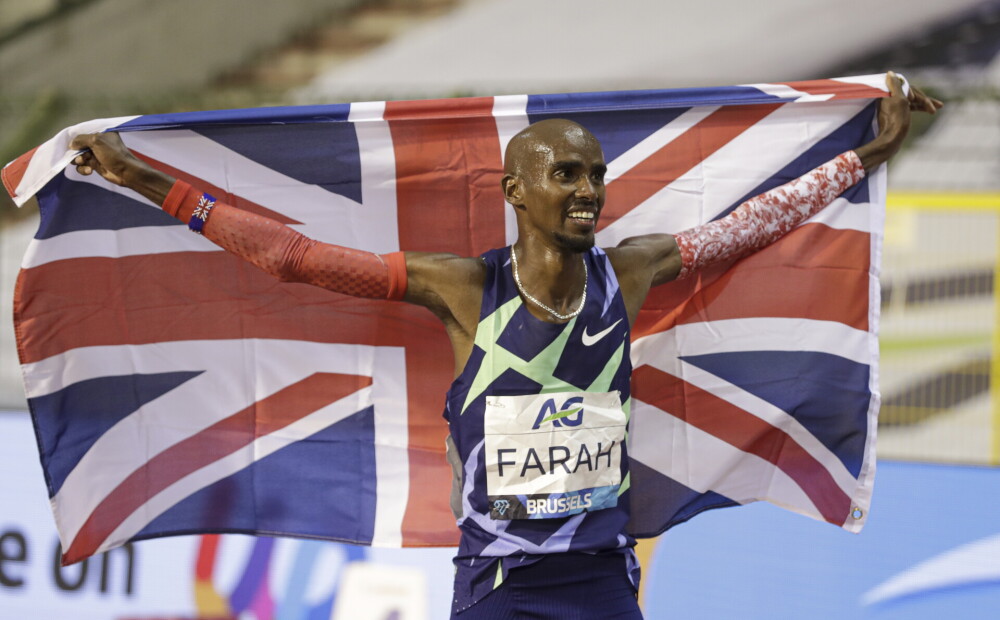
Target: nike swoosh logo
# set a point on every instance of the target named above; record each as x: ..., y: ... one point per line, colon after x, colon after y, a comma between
x: 589, y: 340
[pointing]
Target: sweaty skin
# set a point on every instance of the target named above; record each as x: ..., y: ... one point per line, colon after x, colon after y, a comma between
x: 554, y: 180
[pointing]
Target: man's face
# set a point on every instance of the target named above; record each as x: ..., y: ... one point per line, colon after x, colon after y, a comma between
x: 563, y: 189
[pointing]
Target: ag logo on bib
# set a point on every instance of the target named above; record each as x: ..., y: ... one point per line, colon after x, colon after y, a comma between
x: 570, y: 414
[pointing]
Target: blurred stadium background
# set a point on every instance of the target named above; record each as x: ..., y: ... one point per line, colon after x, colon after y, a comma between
x: 66, y: 61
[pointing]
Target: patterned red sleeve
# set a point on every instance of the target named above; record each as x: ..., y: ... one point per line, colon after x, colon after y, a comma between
x: 291, y: 256
x: 766, y: 218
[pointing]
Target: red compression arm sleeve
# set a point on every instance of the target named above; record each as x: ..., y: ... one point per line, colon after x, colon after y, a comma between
x: 766, y: 218
x: 291, y: 256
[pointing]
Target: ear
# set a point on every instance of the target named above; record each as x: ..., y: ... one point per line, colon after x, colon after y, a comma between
x: 512, y: 190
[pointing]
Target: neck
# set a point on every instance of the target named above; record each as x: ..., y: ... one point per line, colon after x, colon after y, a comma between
x: 554, y: 277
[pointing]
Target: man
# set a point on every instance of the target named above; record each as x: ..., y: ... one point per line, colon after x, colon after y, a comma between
x: 540, y: 333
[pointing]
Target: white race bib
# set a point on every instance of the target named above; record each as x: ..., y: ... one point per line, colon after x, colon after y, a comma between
x: 553, y: 455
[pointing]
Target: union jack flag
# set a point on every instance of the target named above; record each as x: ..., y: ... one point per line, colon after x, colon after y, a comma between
x: 176, y: 389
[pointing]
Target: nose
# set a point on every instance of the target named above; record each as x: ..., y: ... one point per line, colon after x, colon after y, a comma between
x: 586, y: 188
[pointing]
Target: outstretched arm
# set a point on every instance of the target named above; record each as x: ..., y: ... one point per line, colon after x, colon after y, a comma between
x: 649, y: 260
x: 448, y: 285
x: 764, y: 219
x: 275, y: 248
x: 285, y: 253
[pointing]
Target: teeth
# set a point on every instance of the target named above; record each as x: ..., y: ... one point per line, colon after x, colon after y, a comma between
x: 582, y: 215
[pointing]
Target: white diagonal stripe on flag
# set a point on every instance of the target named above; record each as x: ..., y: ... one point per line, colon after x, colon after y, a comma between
x: 664, y: 443
x: 663, y: 351
x: 656, y: 141
x: 191, y: 152
x: 233, y: 463
x: 182, y: 412
x: 725, y: 176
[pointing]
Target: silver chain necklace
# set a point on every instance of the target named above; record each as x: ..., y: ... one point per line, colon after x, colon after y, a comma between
x: 561, y: 317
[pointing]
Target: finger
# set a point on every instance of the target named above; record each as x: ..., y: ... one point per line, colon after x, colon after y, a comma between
x: 84, y: 170
x: 895, y: 84
x: 85, y: 158
x: 919, y: 100
x: 925, y: 105
x: 928, y: 104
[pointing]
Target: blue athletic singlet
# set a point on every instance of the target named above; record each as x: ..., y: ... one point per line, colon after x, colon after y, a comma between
x: 538, y: 418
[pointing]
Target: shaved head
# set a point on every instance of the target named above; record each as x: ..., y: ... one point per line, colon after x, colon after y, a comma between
x: 554, y: 178
x: 531, y: 149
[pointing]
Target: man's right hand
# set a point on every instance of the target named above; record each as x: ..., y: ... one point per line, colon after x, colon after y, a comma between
x: 107, y: 155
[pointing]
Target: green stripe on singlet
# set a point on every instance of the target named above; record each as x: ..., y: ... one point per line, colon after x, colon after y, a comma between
x: 498, y: 360
x: 603, y: 381
x: 626, y: 483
